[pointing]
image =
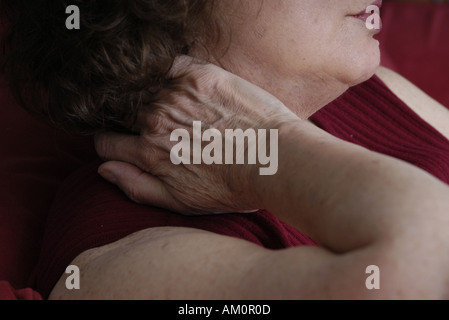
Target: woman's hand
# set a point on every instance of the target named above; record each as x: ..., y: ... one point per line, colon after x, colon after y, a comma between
x: 143, y: 166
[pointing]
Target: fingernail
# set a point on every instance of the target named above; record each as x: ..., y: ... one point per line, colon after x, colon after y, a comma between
x: 107, y: 175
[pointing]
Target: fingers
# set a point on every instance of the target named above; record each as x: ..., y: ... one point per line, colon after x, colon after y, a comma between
x: 125, y: 148
x: 112, y: 145
x: 139, y: 186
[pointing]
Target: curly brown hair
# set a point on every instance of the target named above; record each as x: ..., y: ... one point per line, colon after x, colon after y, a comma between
x: 96, y: 78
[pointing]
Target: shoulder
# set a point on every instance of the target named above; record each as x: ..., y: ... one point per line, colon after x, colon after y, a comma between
x: 408, y: 92
x: 416, y: 99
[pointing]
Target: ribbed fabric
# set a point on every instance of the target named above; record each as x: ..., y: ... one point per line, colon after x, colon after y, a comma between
x: 88, y: 212
x: 370, y: 115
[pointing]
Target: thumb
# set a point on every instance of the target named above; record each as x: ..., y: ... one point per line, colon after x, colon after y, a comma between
x: 139, y: 186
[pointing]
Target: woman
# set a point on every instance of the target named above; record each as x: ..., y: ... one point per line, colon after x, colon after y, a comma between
x: 285, y: 60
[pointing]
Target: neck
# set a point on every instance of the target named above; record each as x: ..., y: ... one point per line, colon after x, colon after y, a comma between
x: 304, y: 94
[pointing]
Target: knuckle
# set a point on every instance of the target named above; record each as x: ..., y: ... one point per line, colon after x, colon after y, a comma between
x: 206, y: 79
x: 102, y: 145
x: 147, y: 156
x: 157, y: 121
x: 134, y: 194
x: 153, y: 122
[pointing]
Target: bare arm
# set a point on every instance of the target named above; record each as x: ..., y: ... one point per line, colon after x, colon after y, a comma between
x: 363, y: 208
x: 372, y: 210
x: 345, y: 196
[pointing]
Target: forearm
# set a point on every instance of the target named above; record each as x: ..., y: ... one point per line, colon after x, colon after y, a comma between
x: 345, y: 196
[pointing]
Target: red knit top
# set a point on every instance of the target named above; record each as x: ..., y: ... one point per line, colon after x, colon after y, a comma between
x: 88, y: 212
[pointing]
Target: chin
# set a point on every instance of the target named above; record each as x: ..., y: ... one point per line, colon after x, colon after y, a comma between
x: 363, y: 67
x: 364, y: 76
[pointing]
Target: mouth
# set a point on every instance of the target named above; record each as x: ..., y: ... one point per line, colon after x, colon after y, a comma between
x: 364, y: 15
